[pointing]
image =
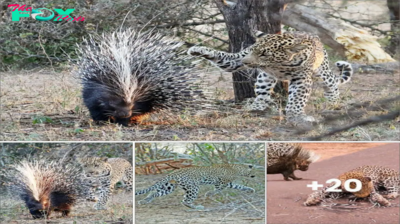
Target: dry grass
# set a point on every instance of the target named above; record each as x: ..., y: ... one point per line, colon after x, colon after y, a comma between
x: 43, y: 105
x: 231, y: 206
x: 119, y: 210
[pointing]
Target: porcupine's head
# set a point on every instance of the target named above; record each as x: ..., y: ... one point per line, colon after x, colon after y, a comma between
x: 127, y: 75
x: 45, y: 186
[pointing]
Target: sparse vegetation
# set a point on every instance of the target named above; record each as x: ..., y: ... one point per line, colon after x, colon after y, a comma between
x: 23, y: 100
x: 228, y: 206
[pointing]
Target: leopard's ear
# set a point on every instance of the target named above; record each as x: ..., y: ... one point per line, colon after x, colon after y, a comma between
x: 298, y: 47
x: 368, y: 179
x: 104, y: 159
x: 295, y: 49
x: 251, y: 166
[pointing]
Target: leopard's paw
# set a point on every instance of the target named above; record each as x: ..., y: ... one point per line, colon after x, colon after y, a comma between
x: 201, y: 51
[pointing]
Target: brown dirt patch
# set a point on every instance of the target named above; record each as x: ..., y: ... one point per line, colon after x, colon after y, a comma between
x: 285, y: 199
x: 328, y: 150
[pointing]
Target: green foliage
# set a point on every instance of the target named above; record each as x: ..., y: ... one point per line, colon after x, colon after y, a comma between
x: 42, y: 43
x: 38, y: 43
x: 53, y: 43
x: 39, y: 119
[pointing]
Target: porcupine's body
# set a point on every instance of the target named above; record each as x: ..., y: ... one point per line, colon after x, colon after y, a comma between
x: 45, y: 186
x: 285, y: 158
x: 127, y: 75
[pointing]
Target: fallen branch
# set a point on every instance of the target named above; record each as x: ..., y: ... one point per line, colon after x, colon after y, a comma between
x: 370, y: 120
x: 159, y: 166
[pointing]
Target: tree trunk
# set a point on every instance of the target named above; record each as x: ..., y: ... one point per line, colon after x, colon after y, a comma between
x: 394, y: 11
x: 241, y: 19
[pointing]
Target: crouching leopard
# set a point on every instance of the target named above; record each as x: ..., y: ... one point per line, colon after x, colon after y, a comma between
x: 374, y: 180
x: 190, y: 179
x: 295, y: 56
x: 103, y: 174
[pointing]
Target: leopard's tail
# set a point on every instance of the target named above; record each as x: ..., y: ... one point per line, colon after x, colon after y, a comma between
x: 144, y: 191
x: 167, y: 179
x: 346, y: 71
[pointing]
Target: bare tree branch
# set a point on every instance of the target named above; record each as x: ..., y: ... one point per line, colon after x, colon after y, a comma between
x: 208, y: 35
x: 171, y: 25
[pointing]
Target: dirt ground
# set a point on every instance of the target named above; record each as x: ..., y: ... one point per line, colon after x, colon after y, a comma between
x: 44, y: 105
x: 285, y: 199
x: 328, y: 150
x: 119, y: 210
x: 231, y: 206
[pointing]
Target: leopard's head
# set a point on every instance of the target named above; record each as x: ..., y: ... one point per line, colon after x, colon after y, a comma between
x: 95, y: 166
x: 367, y: 185
x: 273, y: 49
x: 246, y: 170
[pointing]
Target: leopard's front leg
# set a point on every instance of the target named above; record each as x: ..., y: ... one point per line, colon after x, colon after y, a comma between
x: 263, y: 86
x: 299, y: 92
x: 226, y: 61
x: 106, y: 188
x: 191, y: 192
x: 90, y: 185
x: 217, y: 188
x: 318, y: 196
x: 128, y: 179
x: 240, y: 187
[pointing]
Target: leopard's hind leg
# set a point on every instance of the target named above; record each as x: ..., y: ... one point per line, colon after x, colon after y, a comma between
x: 164, y: 188
x: 128, y: 179
x: 299, y: 92
x: 392, y: 188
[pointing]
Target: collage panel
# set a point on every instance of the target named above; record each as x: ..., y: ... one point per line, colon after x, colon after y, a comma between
x: 66, y: 182
x: 188, y: 71
x: 200, y: 182
x: 328, y: 183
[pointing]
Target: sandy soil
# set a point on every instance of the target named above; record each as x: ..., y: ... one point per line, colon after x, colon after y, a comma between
x: 328, y: 149
x: 285, y: 199
x: 231, y: 206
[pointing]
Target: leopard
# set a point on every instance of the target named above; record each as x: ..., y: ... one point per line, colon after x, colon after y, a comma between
x: 285, y: 158
x: 294, y: 56
x: 378, y: 184
x: 103, y: 174
x: 190, y: 179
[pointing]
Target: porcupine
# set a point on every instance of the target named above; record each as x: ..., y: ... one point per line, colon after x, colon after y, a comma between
x: 285, y: 158
x: 127, y: 75
x: 46, y: 186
